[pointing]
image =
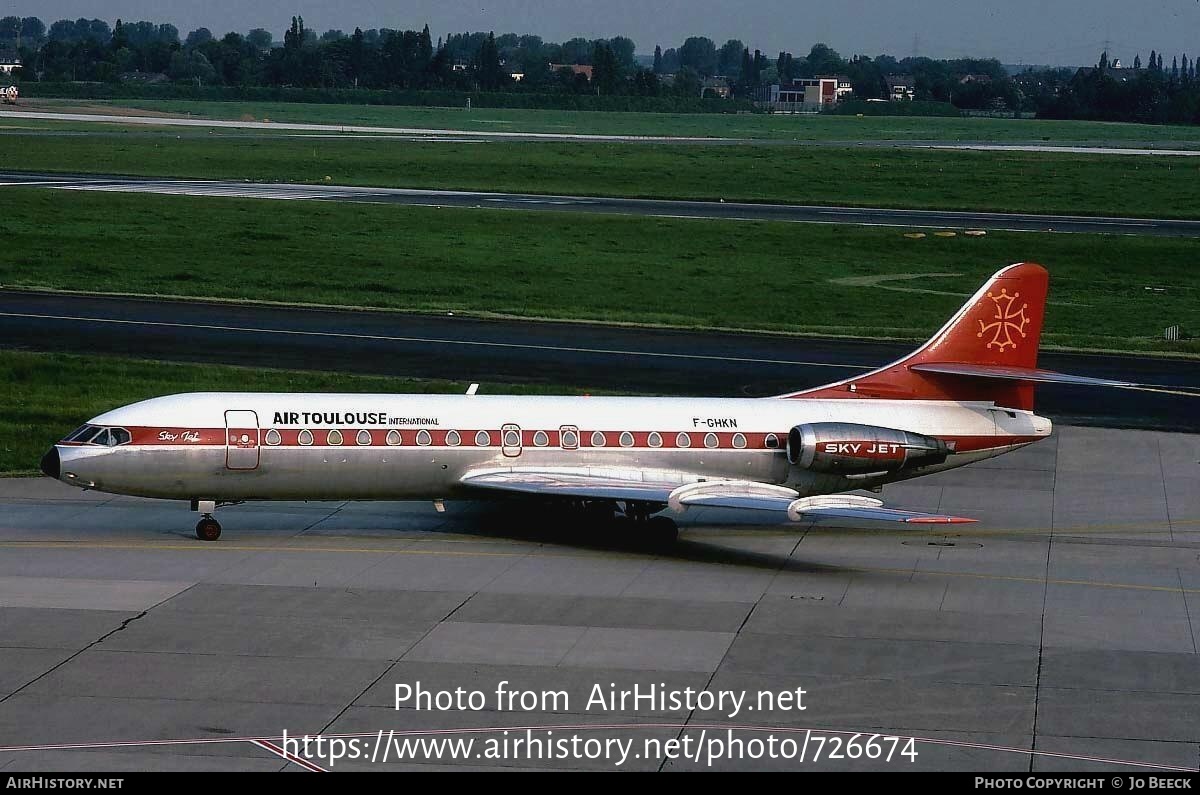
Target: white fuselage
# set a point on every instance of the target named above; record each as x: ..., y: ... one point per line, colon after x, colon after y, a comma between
x: 242, y: 446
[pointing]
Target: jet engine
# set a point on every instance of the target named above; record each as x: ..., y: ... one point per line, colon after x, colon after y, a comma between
x: 846, y: 448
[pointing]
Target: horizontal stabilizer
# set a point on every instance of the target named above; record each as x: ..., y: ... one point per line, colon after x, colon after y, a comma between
x: 1012, y: 373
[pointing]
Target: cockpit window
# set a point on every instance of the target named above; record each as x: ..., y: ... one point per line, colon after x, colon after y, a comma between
x: 104, y: 437
x: 80, y: 433
x: 118, y: 436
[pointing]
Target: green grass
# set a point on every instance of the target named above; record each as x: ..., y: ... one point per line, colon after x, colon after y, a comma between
x: 690, y: 273
x: 1010, y: 181
x: 764, y: 126
x: 46, y: 395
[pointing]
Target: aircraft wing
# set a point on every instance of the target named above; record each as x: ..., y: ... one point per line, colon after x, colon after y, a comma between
x: 681, y: 490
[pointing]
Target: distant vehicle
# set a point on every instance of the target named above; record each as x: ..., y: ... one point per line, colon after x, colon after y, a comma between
x: 10, y: 95
x: 964, y: 396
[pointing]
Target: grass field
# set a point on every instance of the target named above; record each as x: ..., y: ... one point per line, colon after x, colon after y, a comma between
x: 46, y: 395
x: 1010, y: 181
x: 767, y: 126
x: 689, y: 273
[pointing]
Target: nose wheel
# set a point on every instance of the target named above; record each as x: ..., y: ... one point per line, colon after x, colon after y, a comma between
x: 208, y: 529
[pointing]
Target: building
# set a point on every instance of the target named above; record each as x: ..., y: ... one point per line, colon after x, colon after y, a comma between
x: 901, y: 88
x: 813, y: 92
x: 576, y: 68
x: 517, y: 76
x: 9, y: 62
x: 716, y: 87
x: 9, y: 95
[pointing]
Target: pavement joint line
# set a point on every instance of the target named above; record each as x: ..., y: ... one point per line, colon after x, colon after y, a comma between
x: 523, y: 554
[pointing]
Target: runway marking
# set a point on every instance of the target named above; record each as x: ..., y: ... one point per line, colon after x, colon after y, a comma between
x: 282, y: 754
x: 432, y: 341
x: 268, y: 743
x: 541, y: 550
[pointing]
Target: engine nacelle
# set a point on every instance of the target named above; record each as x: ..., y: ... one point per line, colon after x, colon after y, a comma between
x: 847, y: 448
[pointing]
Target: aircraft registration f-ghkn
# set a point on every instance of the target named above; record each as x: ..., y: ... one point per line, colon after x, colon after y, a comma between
x: 965, y: 395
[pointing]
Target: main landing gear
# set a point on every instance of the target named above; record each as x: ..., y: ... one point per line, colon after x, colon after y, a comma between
x: 208, y: 528
x: 637, y: 517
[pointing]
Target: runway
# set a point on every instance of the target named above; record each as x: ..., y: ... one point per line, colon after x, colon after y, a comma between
x: 572, y: 355
x: 1058, y: 634
x: 660, y: 208
x: 410, y: 132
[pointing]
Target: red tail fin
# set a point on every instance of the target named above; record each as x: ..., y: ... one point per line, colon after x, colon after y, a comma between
x: 999, y: 327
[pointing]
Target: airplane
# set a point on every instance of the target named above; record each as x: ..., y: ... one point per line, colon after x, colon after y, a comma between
x: 964, y: 396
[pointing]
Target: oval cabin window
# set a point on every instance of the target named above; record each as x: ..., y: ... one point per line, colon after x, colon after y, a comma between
x: 569, y: 440
x: 423, y: 437
x: 541, y: 439
x: 710, y: 440
x: 393, y: 437
x: 305, y: 438
x: 273, y: 438
x: 683, y: 440
x: 334, y: 438
x: 654, y: 439
x: 739, y: 440
x: 453, y: 439
x: 512, y: 438
x: 598, y: 439
x: 363, y: 437
x: 482, y: 439
x: 771, y: 442
x: 626, y: 439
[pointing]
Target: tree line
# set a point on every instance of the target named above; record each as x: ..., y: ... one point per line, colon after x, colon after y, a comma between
x: 382, y: 58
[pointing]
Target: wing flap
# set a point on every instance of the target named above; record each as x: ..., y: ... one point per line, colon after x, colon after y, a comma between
x: 681, y: 490
x: 852, y: 506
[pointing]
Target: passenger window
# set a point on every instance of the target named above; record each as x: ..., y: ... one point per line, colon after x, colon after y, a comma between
x: 598, y: 439
x: 654, y: 439
x: 363, y: 438
x: 683, y: 440
x: 453, y: 439
x: 334, y: 438
x: 710, y: 440
x: 273, y: 438
x: 305, y: 438
x: 483, y: 439
x: 512, y: 439
x: 739, y: 440
x: 423, y: 438
x: 540, y: 439
x: 568, y: 440
x: 119, y: 436
x: 626, y: 439
x: 772, y: 441
x: 393, y: 437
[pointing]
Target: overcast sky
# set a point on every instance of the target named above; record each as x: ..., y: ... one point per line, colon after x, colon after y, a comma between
x: 1067, y: 32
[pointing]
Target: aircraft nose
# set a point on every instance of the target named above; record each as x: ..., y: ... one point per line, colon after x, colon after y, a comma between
x: 51, y: 464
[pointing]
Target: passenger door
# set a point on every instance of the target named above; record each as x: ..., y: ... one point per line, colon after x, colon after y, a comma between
x: 241, y: 440
x: 510, y: 440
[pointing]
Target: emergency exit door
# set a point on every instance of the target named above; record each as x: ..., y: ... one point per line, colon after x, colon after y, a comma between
x: 241, y: 440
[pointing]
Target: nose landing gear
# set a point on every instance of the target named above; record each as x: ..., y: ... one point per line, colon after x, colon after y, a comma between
x: 208, y: 528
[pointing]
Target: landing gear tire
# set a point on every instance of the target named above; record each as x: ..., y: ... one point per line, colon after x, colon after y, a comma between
x: 662, y: 531
x: 208, y: 529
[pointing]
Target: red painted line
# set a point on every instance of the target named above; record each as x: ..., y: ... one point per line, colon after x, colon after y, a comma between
x: 299, y: 760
